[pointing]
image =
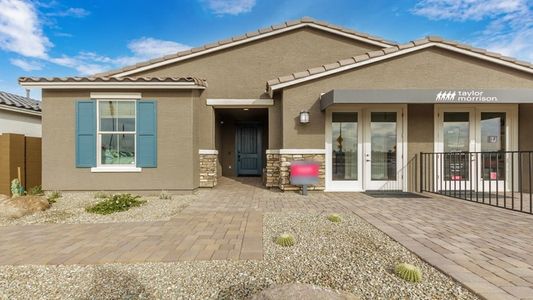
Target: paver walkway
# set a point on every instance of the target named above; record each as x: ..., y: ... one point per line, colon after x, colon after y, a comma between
x: 488, y: 249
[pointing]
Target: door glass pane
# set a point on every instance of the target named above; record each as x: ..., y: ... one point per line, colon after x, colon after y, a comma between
x: 493, y: 140
x: 456, y: 138
x: 383, y: 145
x: 344, y: 142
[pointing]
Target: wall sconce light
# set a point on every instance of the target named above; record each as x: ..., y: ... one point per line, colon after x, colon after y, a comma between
x: 304, y: 117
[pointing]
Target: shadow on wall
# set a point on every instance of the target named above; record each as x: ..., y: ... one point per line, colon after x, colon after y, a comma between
x: 112, y: 283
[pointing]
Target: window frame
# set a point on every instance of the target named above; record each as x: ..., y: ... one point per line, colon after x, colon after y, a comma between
x: 100, y: 167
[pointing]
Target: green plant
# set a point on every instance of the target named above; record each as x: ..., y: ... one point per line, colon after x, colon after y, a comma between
x: 16, y: 188
x: 285, y: 240
x: 408, y: 272
x: 100, y: 195
x: 164, y: 195
x: 52, y: 198
x: 36, y: 191
x: 335, y: 218
x: 115, y: 203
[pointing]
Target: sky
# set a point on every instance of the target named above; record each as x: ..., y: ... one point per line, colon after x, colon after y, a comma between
x: 80, y: 38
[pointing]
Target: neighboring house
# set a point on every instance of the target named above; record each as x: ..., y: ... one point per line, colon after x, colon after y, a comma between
x: 19, y: 114
x: 238, y: 107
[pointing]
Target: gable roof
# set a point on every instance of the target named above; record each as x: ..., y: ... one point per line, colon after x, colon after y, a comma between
x: 379, y: 55
x: 113, y: 82
x: 18, y: 103
x: 246, y: 38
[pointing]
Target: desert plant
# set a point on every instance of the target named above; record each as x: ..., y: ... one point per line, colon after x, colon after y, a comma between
x: 100, y: 195
x: 115, y: 203
x: 35, y: 191
x: 285, y: 240
x: 335, y: 218
x: 408, y: 272
x: 16, y: 188
x: 52, y: 198
x: 164, y: 195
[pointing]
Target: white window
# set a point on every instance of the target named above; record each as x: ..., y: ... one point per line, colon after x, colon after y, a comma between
x: 116, y: 133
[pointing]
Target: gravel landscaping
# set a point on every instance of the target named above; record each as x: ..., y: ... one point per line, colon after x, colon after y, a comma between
x: 350, y: 255
x: 70, y: 208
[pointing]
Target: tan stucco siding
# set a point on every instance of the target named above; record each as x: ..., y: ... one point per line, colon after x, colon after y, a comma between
x: 420, y: 138
x: 242, y: 71
x: 176, y: 143
x: 426, y: 69
x: 274, y: 124
x: 525, y: 140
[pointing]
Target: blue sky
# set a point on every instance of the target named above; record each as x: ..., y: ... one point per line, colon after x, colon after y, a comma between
x: 65, y: 38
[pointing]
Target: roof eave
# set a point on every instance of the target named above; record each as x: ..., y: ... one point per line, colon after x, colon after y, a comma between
x: 112, y: 85
x: 20, y: 110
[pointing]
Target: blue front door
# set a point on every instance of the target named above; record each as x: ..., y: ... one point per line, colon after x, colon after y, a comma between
x: 248, y: 144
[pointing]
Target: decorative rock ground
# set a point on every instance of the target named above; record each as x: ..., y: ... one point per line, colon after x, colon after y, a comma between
x: 301, y: 291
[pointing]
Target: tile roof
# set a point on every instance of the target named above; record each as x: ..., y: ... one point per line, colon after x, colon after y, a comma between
x: 20, y: 102
x: 100, y: 79
x: 390, y: 51
x: 273, y: 28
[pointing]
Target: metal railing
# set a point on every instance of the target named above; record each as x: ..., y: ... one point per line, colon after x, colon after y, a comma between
x: 502, y: 179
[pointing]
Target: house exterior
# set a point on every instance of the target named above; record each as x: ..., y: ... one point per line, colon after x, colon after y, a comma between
x: 20, y: 115
x: 238, y: 107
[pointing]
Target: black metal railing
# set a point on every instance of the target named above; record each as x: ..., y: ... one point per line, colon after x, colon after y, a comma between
x: 502, y: 179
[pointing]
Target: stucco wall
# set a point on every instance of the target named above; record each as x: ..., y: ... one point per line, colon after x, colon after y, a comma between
x: 15, y: 122
x: 177, y: 146
x: 426, y: 69
x: 420, y: 138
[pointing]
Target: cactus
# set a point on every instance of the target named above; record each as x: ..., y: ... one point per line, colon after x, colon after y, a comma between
x: 408, y: 272
x: 285, y: 240
x: 16, y: 188
x: 164, y: 195
x: 335, y: 218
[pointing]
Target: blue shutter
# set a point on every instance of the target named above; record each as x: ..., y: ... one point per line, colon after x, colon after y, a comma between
x: 85, y: 133
x: 146, y: 134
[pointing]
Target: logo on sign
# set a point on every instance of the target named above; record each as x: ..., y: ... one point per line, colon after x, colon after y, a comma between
x: 464, y: 96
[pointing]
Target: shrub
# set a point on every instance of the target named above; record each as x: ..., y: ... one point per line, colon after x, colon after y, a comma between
x: 335, y: 218
x: 115, y: 203
x: 164, y: 195
x: 408, y: 272
x: 16, y: 188
x: 100, y: 195
x: 54, y: 196
x: 36, y: 191
x: 285, y: 240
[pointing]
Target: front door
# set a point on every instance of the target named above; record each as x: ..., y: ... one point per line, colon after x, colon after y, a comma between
x: 248, y: 139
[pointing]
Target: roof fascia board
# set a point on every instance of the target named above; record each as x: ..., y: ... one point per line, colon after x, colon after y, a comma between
x: 20, y: 110
x: 248, y: 40
x: 112, y: 85
x: 278, y: 86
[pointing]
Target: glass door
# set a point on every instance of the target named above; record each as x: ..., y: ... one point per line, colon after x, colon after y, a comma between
x: 383, y: 150
x: 456, y: 139
x: 492, y: 141
x: 343, y: 172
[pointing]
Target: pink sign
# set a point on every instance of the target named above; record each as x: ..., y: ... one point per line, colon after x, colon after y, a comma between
x: 457, y: 177
x: 493, y: 176
x: 307, y: 170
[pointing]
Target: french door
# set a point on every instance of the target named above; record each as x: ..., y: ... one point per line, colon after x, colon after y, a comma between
x: 364, y: 148
x: 485, y: 132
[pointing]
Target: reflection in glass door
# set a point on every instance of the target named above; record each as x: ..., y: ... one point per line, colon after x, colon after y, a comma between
x: 456, y: 139
x: 344, y: 146
x: 492, y: 140
x: 382, y: 146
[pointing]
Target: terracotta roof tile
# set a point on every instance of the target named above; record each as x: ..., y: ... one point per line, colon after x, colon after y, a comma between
x: 194, y: 80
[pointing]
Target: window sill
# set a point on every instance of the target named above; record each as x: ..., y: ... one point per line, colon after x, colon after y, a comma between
x: 116, y: 170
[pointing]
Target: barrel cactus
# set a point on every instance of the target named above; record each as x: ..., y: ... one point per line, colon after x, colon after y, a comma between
x: 285, y: 240
x: 16, y: 188
x: 408, y: 272
x: 335, y: 218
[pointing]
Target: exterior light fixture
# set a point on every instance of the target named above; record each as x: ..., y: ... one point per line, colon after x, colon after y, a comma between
x: 245, y: 109
x: 304, y: 117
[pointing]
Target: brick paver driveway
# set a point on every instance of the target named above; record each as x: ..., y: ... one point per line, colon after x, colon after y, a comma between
x: 490, y: 250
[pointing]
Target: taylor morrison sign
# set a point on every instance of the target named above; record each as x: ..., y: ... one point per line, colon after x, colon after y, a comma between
x: 464, y: 96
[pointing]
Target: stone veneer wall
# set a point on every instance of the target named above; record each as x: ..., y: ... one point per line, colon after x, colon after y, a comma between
x: 278, y: 170
x: 208, y: 169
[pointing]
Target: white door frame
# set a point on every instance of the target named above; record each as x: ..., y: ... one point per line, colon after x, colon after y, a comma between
x: 511, y: 124
x: 364, y: 142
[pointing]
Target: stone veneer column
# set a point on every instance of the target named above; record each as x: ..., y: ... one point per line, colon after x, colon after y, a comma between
x: 208, y: 168
x: 278, y: 168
